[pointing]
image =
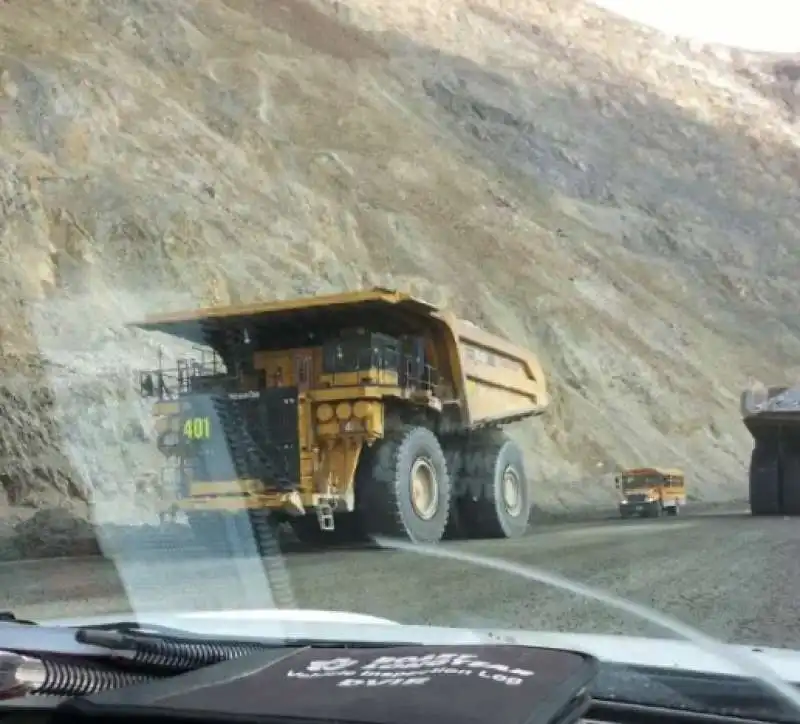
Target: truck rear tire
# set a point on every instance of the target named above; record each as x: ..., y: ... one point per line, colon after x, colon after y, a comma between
x: 790, y: 481
x: 453, y: 453
x: 499, y: 501
x: 765, y: 478
x: 403, y: 488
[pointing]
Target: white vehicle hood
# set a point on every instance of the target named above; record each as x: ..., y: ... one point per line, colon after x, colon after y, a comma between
x: 304, y: 623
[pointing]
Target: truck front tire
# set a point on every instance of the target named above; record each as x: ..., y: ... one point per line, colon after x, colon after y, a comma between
x: 403, y: 488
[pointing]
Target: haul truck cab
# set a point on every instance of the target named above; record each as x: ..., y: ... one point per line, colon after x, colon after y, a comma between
x: 647, y: 492
x: 367, y: 413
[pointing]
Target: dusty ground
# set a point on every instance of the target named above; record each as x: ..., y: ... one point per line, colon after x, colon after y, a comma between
x: 625, y: 205
x: 643, y: 561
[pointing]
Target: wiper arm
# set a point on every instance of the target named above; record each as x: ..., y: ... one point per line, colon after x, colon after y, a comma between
x: 135, y: 653
x: 9, y: 617
x: 170, y: 651
x: 159, y: 649
x: 166, y: 653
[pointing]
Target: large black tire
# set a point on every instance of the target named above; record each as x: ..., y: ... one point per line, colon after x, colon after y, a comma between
x: 486, y: 511
x: 765, y: 478
x: 790, y: 480
x: 347, y: 531
x: 456, y: 527
x: 453, y: 453
x: 384, y: 486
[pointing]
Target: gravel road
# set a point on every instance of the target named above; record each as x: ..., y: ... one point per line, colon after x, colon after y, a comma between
x: 729, y: 574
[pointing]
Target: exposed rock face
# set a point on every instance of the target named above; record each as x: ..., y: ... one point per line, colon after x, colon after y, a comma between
x: 626, y: 205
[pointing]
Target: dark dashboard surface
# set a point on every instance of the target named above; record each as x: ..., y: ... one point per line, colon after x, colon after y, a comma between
x: 687, y: 693
x: 620, y: 695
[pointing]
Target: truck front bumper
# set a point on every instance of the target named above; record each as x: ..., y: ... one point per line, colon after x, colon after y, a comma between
x: 647, y: 507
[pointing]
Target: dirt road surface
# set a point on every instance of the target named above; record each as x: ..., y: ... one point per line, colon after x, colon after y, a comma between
x: 729, y: 574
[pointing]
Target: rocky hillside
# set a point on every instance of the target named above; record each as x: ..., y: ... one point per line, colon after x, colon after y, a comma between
x: 626, y: 205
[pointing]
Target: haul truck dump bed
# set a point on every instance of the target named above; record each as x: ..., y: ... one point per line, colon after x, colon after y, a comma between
x: 369, y: 413
x: 772, y: 415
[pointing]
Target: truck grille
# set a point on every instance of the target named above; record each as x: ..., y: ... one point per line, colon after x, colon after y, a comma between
x: 254, y: 437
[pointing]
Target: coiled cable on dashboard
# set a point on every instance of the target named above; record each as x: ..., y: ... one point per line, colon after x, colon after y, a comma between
x: 24, y: 675
x: 71, y: 679
x: 166, y: 653
x: 182, y: 656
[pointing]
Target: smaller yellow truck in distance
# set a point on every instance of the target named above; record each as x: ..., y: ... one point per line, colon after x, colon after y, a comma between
x: 649, y: 492
x: 363, y: 413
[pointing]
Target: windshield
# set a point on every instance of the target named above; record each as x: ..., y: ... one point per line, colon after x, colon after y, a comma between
x: 632, y: 482
x: 285, y: 286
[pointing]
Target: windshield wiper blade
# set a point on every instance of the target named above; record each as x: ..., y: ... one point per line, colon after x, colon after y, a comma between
x: 172, y: 651
x: 9, y: 617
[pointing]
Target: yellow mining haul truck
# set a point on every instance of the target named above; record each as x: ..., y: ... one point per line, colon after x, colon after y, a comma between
x: 357, y: 414
x: 772, y: 415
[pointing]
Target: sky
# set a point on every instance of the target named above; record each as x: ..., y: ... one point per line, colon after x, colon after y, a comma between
x: 757, y: 25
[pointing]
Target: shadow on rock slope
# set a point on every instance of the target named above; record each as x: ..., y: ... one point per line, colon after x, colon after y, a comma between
x: 640, y: 231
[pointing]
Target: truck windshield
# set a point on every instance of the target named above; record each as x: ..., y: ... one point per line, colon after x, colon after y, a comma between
x: 630, y: 482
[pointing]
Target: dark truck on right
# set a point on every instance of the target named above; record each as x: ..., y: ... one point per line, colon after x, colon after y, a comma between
x: 772, y: 415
